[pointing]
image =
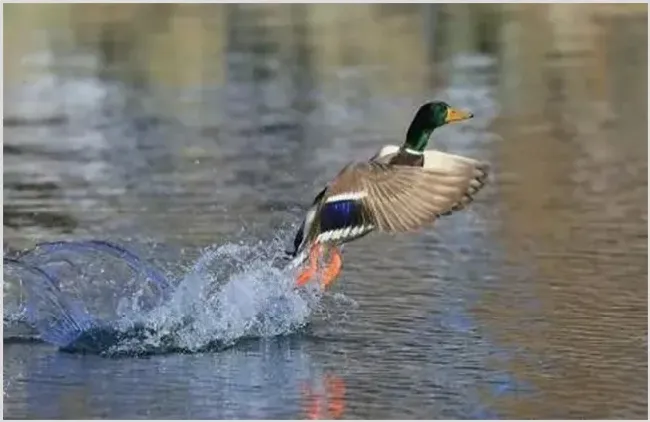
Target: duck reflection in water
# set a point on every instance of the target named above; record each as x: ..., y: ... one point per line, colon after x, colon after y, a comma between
x: 327, y: 400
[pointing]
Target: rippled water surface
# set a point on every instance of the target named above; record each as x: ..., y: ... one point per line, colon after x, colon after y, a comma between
x: 196, y: 139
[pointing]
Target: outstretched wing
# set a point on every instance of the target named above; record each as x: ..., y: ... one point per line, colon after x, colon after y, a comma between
x: 444, y: 162
x: 402, y: 198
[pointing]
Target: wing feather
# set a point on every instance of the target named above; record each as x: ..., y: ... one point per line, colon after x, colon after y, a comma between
x: 457, y: 164
x: 403, y: 198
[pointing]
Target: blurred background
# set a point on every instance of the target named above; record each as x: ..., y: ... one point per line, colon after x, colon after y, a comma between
x: 193, y: 125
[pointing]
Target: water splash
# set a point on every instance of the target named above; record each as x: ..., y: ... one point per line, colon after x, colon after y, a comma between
x: 99, y: 297
x: 57, y: 319
x: 112, y: 249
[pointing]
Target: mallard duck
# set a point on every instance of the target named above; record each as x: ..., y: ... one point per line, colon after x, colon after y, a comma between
x: 400, y: 189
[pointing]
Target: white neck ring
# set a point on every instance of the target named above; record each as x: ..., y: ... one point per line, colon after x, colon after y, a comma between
x: 413, y: 152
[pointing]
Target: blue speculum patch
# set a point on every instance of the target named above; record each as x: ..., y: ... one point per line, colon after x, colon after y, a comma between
x: 341, y: 214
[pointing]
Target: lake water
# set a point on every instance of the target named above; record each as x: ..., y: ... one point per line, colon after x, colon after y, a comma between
x: 197, y: 139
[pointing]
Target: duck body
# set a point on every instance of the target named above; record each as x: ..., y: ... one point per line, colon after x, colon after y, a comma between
x: 342, y: 218
x: 399, y: 189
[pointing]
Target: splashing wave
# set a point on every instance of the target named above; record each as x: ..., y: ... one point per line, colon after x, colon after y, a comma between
x: 99, y: 297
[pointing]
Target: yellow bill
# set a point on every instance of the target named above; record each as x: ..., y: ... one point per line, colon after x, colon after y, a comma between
x: 455, y: 115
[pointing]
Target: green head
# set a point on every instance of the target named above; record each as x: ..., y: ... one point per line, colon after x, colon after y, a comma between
x: 430, y: 116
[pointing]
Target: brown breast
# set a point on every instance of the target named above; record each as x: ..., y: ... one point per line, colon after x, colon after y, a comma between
x: 403, y: 158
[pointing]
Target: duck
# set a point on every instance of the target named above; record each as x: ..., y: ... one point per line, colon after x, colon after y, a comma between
x: 399, y: 189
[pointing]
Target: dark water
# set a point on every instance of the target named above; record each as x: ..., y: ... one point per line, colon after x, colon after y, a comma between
x: 530, y: 304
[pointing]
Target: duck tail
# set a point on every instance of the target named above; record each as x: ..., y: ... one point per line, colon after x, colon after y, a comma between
x: 297, y: 255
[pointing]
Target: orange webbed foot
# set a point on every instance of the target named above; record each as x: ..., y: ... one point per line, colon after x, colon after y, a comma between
x: 333, y: 269
x: 308, y: 273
